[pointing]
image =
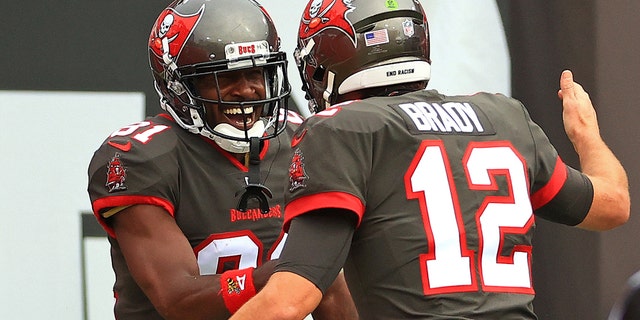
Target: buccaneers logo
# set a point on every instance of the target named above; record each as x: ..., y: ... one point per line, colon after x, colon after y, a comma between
x: 116, y: 174
x: 323, y: 14
x: 297, y: 175
x: 175, y: 28
x: 233, y: 286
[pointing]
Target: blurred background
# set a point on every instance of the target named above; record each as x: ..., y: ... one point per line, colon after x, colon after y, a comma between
x: 72, y: 72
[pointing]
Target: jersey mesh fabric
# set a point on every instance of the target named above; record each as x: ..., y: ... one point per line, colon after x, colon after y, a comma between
x: 385, y: 159
x: 198, y: 181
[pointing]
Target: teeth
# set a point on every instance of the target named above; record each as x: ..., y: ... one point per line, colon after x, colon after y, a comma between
x: 247, y: 110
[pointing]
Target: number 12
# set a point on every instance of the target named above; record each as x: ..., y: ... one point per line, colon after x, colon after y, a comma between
x: 450, y: 266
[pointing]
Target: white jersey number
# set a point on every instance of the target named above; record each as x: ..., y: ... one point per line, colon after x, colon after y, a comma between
x: 450, y: 266
x: 240, y: 249
x: 145, y: 135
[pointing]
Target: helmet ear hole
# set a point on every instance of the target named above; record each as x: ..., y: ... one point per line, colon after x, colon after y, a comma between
x: 176, y: 87
x: 318, y: 74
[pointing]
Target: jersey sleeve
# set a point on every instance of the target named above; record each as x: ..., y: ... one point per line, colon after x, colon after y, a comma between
x: 317, y: 246
x: 566, y: 198
x: 314, y: 182
x: 125, y: 171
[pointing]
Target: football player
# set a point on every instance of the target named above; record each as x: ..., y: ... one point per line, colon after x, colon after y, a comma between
x: 429, y: 201
x: 192, y: 198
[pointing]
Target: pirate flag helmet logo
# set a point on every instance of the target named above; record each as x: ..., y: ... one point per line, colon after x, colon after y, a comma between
x: 322, y: 14
x: 170, y: 33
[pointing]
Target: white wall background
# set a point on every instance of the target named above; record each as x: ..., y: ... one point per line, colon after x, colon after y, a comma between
x: 48, y: 138
x: 469, y: 49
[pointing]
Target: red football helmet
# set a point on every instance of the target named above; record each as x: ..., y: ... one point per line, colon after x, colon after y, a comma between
x: 194, y: 38
x: 349, y: 45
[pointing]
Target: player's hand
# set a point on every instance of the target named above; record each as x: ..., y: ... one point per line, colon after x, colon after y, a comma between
x: 578, y: 115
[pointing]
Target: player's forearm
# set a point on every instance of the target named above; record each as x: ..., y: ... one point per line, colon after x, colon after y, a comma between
x: 203, y: 297
x: 192, y: 297
x: 286, y: 296
x: 611, y: 204
x: 207, y: 296
x: 597, y: 160
x: 336, y: 303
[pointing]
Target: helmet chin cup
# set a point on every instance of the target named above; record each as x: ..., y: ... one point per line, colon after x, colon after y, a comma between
x: 241, y: 145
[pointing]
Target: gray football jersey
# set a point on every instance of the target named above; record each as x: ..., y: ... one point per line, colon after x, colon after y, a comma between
x: 157, y: 162
x: 445, y: 189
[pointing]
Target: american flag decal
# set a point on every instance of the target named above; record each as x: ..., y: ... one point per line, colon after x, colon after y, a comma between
x: 376, y: 37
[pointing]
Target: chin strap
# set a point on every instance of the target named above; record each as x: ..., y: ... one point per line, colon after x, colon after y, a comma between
x: 254, y: 188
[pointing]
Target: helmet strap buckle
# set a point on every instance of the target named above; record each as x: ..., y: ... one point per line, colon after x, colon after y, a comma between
x: 254, y: 189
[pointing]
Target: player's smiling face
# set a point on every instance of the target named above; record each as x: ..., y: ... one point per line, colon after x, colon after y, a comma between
x: 237, y: 86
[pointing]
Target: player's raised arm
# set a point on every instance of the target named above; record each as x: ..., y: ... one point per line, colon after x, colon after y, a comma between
x: 611, y: 202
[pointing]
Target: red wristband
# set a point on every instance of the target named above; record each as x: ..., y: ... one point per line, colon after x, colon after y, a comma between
x: 236, y: 287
